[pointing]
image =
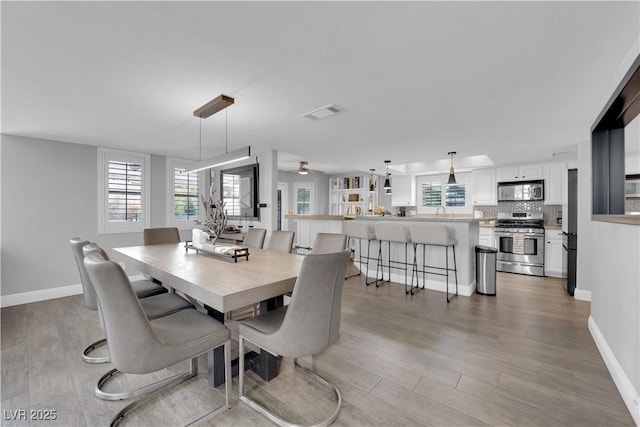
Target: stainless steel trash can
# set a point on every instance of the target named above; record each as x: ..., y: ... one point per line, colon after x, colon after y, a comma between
x: 486, y: 270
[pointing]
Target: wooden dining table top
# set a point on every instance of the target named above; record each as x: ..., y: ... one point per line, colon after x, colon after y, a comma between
x: 220, y: 283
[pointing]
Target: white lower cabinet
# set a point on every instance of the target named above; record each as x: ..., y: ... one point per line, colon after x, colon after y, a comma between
x: 486, y: 237
x: 553, y: 253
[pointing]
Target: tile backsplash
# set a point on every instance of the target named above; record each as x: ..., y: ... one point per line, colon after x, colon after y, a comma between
x: 632, y: 205
x: 551, y: 212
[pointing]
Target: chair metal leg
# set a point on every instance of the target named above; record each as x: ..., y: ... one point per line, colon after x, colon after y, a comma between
x: 273, y: 417
x: 95, y: 359
x: 414, y: 269
x: 455, y: 269
x: 415, y: 266
x: 227, y: 388
x: 177, y: 379
x: 142, y: 391
x: 366, y: 282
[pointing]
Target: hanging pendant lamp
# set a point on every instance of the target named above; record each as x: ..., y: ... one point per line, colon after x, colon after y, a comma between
x: 387, y: 181
x: 372, y: 182
x: 210, y: 108
x: 452, y: 177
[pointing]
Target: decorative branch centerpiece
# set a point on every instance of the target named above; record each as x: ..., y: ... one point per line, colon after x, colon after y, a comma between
x: 216, y: 215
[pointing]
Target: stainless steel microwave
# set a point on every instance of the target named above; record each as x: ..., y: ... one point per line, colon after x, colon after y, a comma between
x: 521, y: 191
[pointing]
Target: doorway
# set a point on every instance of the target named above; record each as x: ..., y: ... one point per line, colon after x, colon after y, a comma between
x: 282, y: 196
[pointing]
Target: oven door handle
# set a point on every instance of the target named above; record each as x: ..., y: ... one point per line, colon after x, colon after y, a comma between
x: 503, y: 234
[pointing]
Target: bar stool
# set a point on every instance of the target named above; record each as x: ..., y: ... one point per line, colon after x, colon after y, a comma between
x: 391, y: 232
x: 361, y: 231
x: 432, y: 235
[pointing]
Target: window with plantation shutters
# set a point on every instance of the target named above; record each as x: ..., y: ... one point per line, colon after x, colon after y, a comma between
x: 182, y: 194
x: 431, y: 193
x: 456, y: 194
x: 231, y: 192
x: 185, y: 195
x: 124, y: 191
x: 434, y: 192
x: 123, y: 194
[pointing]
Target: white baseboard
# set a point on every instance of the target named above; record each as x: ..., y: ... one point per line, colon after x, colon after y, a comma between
x: 629, y: 394
x: 46, y: 294
x: 582, y: 295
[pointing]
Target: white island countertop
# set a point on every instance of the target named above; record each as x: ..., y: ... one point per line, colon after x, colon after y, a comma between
x: 432, y: 218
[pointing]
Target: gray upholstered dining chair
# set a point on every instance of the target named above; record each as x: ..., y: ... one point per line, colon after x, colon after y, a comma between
x: 280, y: 241
x: 254, y: 238
x: 328, y: 243
x: 160, y: 236
x: 143, y: 288
x: 154, y: 307
x: 140, y: 346
x: 306, y: 327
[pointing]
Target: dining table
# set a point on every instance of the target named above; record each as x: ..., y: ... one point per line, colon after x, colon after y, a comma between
x: 221, y: 284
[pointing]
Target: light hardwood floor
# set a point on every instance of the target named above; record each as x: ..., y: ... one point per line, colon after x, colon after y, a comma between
x: 523, y: 358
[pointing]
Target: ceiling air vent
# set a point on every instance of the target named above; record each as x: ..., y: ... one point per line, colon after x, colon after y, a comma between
x: 321, y: 113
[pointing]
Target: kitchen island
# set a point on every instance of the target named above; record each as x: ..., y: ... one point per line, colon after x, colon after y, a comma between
x: 464, y: 228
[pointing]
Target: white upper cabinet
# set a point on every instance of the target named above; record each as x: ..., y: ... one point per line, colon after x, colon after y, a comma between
x: 403, y: 190
x: 484, y: 187
x: 555, y: 183
x: 519, y: 173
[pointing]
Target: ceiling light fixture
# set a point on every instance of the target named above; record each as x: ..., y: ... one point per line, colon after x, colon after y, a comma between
x: 216, y: 104
x: 452, y: 177
x: 372, y: 182
x: 208, y: 109
x: 304, y: 168
x: 322, y: 112
x: 387, y: 181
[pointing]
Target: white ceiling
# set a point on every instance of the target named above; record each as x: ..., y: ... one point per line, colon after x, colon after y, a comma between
x: 516, y: 81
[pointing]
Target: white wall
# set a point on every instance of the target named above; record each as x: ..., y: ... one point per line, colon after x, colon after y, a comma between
x: 321, y: 185
x: 608, y: 265
x: 48, y: 197
x: 54, y: 199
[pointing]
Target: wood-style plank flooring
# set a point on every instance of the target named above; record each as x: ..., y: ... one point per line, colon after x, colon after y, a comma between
x: 522, y: 358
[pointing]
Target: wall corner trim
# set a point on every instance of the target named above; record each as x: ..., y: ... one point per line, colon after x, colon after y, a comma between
x: 629, y: 394
x: 582, y: 295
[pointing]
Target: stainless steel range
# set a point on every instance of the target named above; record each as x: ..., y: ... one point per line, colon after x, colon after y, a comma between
x: 519, y: 238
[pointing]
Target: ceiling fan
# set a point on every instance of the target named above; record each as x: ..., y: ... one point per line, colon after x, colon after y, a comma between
x: 303, y: 169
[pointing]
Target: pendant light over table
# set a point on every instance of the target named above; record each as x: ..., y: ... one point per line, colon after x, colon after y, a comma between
x: 219, y: 103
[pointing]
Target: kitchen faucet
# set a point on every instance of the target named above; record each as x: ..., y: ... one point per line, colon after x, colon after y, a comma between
x: 444, y: 211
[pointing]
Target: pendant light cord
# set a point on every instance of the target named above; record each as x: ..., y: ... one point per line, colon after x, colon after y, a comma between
x: 226, y: 129
x: 200, y: 158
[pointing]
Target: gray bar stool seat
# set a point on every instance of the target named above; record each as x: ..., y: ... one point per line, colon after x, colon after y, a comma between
x: 391, y: 232
x: 433, y: 235
x: 361, y: 231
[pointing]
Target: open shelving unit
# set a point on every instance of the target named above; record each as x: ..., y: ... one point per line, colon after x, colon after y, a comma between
x: 350, y: 196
